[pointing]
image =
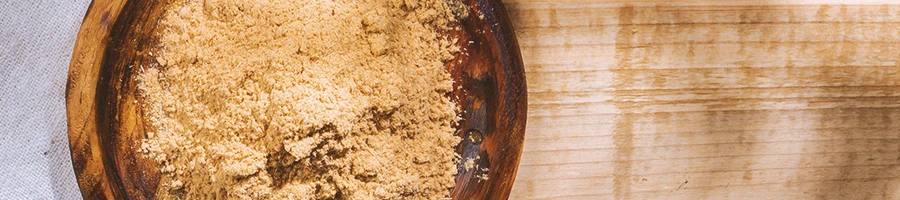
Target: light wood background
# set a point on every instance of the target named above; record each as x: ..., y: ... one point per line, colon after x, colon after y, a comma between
x: 710, y: 99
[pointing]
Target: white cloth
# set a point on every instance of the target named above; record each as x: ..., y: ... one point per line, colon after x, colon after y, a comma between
x: 36, y: 42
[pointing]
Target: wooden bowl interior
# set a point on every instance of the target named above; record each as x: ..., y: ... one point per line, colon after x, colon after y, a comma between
x: 106, y: 123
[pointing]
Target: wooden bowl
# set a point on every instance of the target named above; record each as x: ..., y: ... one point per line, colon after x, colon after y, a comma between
x: 106, y: 124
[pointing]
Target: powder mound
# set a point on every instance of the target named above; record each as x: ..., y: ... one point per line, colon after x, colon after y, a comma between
x: 276, y: 99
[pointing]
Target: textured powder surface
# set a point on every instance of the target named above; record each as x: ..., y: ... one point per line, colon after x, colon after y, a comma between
x: 302, y: 100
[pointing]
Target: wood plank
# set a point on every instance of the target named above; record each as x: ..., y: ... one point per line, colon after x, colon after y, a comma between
x: 696, y: 99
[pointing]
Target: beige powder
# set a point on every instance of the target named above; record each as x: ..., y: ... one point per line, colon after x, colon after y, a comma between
x: 302, y: 100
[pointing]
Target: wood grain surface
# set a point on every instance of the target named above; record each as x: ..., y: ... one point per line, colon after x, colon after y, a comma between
x: 81, y: 91
x: 696, y: 99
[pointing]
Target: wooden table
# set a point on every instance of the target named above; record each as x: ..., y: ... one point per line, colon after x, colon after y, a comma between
x: 691, y: 99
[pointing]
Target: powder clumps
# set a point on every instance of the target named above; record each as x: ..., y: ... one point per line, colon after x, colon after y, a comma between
x: 277, y: 99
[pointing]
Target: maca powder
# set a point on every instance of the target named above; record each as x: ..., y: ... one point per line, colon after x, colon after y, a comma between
x: 343, y: 99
